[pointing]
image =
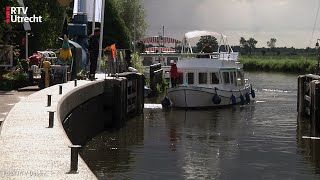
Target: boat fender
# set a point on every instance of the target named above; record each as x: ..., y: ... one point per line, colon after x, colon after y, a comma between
x: 242, y: 99
x: 247, y: 98
x: 166, y: 102
x: 233, y: 99
x: 253, y: 94
x: 216, y: 99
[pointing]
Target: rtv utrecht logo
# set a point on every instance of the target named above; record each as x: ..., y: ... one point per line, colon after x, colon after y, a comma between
x: 19, y: 14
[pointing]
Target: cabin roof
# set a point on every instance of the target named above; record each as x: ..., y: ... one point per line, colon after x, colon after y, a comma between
x: 197, y: 33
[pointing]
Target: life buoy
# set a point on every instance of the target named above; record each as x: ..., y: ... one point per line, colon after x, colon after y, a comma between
x: 247, y: 98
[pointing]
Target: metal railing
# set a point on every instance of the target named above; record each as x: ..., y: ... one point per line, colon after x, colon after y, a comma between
x: 234, y: 56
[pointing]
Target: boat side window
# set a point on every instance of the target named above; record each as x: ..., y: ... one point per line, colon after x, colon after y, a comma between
x: 231, y: 78
x: 190, y: 78
x: 235, y: 78
x: 214, y: 78
x: 240, y: 78
x: 203, y: 79
x: 180, y: 78
x: 226, y: 77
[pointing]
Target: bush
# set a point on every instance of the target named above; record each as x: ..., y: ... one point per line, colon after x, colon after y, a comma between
x: 137, y: 63
x: 295, y: 64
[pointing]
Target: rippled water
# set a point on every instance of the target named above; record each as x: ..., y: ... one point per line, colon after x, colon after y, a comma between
x: 262, y: 140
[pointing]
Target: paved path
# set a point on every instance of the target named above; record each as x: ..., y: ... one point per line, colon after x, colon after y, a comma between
x: 28, y: 148
x: 9, y: 98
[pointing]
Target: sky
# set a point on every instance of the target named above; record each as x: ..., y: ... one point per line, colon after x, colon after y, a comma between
x: 292, y: 22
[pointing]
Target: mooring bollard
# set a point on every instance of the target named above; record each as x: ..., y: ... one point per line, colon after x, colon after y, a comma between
x: 49, y: 100
x: 60, y: 89
x: 51, y: 118
x: 74, y: 157
x: 75, y: 82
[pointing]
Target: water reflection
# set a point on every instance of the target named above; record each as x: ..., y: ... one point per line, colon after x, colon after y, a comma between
x: 309, y: 147
x: 109, y: 154
x: 206, y: 138
x: 175, y: 144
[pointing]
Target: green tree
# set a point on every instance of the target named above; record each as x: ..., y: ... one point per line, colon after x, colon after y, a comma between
x: 207, y: 39
x: 252, y: 44
x: 7, y: 29
x: 243, y: 42
x: 45, y: 34
x: 272, y: 43
x: 133, y: 14
x: 115, y: 30
x: 244, y: 46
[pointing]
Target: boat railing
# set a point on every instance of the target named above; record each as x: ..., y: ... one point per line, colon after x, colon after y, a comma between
x: 233, y: 56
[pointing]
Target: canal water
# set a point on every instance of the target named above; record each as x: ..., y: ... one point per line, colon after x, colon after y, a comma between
x: 262, y: 140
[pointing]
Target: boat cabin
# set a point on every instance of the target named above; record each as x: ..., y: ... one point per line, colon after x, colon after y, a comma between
x: 210, y: 79
x: 210, y: 73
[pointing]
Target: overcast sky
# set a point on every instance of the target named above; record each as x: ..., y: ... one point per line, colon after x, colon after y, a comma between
x: 291, y: 22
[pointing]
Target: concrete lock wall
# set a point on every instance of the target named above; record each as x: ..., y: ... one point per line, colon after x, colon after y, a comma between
x: 30, y: 146
x: 91, y: 109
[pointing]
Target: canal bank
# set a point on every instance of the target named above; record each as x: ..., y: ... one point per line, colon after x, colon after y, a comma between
x: 32, y: 147
x: 29, y: 149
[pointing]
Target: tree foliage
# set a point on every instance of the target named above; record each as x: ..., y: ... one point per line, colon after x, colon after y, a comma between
x: 133, y: 14
x: 7, y: 29
x: 207, y: 39
x: 115, y: 30
x: 272, y: 43
x: 243, y: 42
x: 247, y: 46
x: 252, y: 44
x: 45, y: 34
x: 119, y: 22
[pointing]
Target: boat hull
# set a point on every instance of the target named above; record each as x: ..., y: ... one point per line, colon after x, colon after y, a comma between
x: 193, y: 97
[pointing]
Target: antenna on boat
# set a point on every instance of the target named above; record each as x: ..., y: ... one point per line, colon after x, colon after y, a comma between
x: 163, y: 31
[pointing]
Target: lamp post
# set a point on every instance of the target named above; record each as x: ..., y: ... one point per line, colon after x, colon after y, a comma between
x: 317, y: 55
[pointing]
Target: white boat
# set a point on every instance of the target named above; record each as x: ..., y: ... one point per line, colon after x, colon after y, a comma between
x: 216, y: 79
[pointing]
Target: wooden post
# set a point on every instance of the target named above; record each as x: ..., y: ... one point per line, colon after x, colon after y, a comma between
x: 142, y: 91
x: 315, y: 104
x: 140, y: 94
x: 301, y: 93
x: 152, y: 80
x: 119, y: 107
x: 312, y: 102
x: 124, y: 99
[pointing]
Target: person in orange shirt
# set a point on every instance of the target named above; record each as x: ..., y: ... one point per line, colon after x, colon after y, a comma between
x: 111, y: 51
